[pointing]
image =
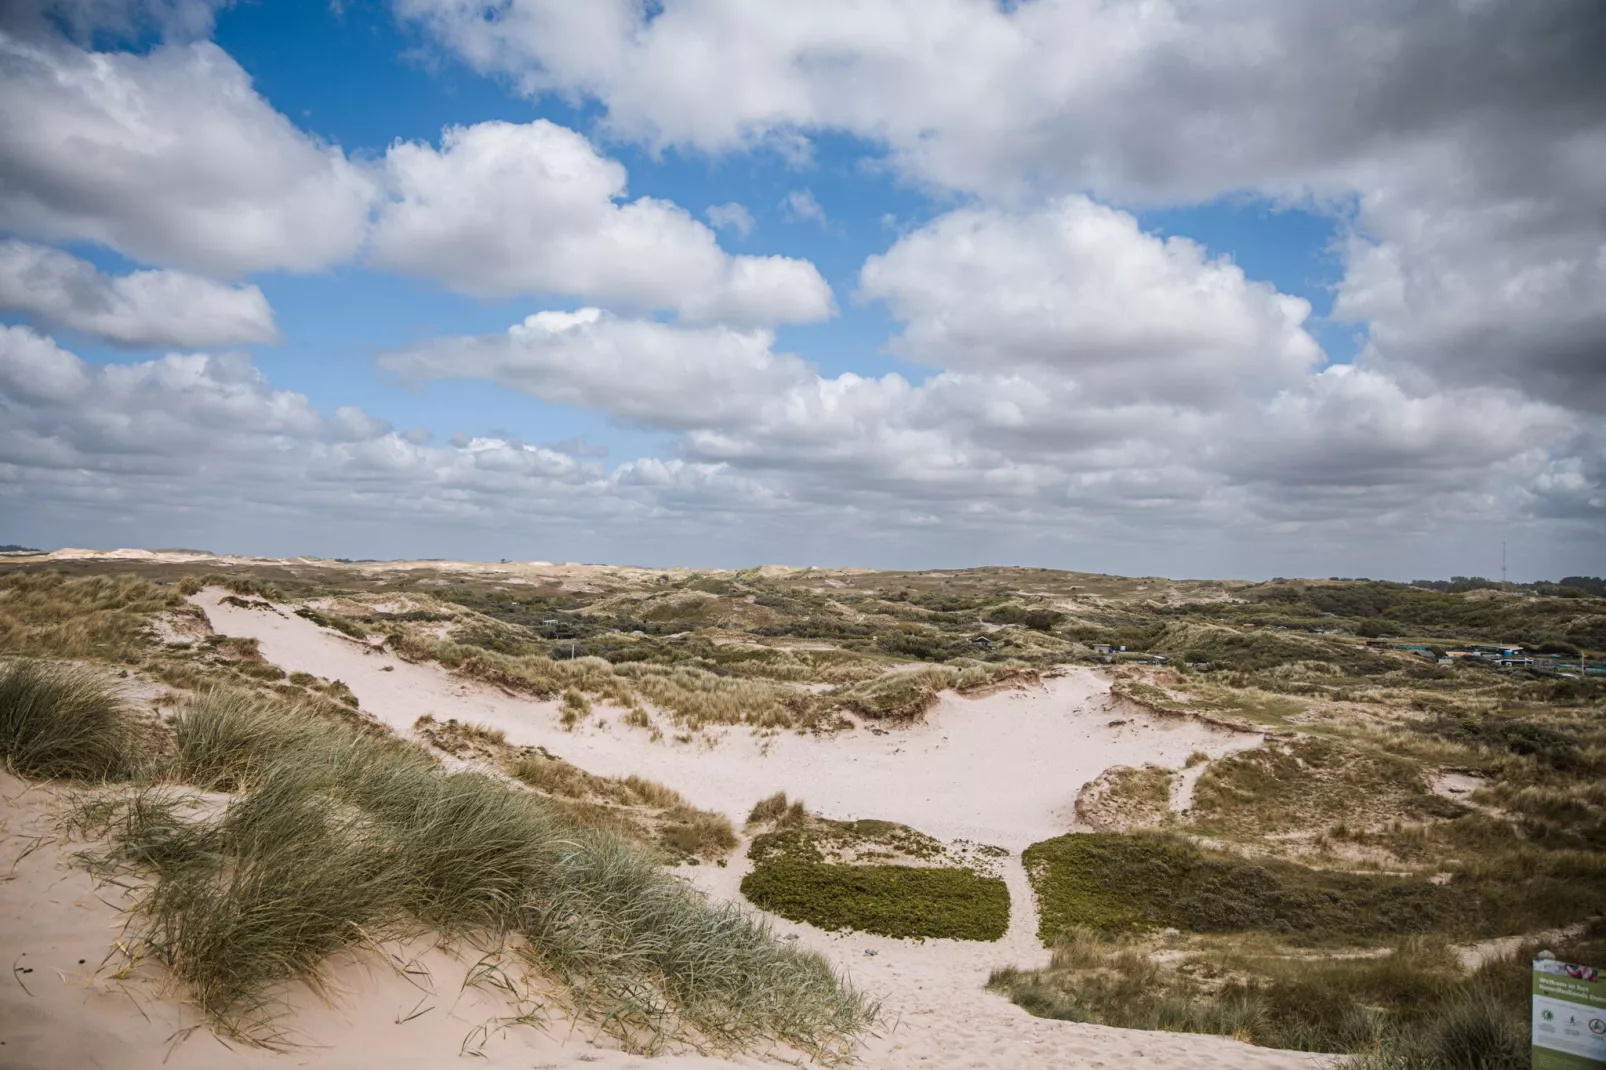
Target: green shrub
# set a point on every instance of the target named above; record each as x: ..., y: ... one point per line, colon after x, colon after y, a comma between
x: 57, y: 721
x: 901, y: 901
x: 1112, y: 883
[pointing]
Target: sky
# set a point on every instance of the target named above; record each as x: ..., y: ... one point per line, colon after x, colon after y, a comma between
x: 1232, y: 288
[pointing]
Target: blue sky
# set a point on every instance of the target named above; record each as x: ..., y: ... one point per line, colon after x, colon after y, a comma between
x: 1032, y: 369
x: 357, y: 78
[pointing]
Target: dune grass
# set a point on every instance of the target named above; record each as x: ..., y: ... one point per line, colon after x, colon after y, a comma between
x: 1408, y: 1007
x: 105, y: 618
x: 57, y: 721
x: 337, y: 836
x: 775, y: 809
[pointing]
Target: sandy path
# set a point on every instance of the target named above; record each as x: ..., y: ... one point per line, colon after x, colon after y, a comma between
x: 1002, y: 769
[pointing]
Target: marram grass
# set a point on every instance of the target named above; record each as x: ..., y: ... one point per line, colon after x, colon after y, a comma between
x: 338, y: 836
x: 58, y: 721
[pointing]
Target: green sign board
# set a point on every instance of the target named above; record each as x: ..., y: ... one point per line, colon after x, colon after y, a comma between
x: 1569, y: 1022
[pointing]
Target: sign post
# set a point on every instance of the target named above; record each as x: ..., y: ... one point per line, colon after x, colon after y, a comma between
x: 1569, y: 1016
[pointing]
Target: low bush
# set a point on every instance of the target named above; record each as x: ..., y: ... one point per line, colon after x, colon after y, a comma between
x: 901, y: 901
x: 1112, y: 883
x: 57, y: 721
x: 832, y: 874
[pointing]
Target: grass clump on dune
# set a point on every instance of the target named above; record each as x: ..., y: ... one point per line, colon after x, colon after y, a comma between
x: 337, y: 836
x: 57, y: 721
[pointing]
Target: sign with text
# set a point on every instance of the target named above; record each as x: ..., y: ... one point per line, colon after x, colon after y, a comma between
x: 1569, y: 1016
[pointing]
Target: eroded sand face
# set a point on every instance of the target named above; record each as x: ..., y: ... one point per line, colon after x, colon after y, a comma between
x: 1002, y: 769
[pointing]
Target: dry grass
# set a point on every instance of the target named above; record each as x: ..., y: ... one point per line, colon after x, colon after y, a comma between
x: 102, y: 618
x: 775, y: 809
x: 1408, y: 1007
x: 1124, y: 799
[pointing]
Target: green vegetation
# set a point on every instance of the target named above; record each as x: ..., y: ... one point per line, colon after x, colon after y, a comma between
x: 654, y: 816
x: 1336, y: 834
x: 1310, y: 783
x: 338, y: 835
x: 776, y: 809
x: 873, y: 876
x: 1413, y: 1007
x: 901, y: 901
x: 1110, y: 883
x: 60, y: 722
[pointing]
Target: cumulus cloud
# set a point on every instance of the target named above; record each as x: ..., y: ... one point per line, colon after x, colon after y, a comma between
x: 144, y: 308
x: 502, y: 209
x: 730, y: 216
x: 1078, y: 287
x: 804, y: 463
x: 800, y: 206
x: 1468, y: 138
x: 171, y: 158
x: 638, y: 370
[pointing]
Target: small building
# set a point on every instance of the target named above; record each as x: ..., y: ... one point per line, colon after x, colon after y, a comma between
x: 983, y: 642
x: 1101, y: 648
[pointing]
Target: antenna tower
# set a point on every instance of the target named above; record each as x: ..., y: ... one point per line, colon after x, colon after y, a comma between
x: 1502, y: 564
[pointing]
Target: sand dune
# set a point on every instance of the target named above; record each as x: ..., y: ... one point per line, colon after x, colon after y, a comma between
x: 1002, y: 769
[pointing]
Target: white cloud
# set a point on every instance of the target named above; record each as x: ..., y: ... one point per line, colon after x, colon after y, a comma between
x: 800, y: 206
x: 171, y: 158
x: 846, y: 467
x: 730, y: 216
x: 1077, y: 287
x: 503, y: 209
x: 1470, y: 137
x: 145, y: 308
x: 637, y: 370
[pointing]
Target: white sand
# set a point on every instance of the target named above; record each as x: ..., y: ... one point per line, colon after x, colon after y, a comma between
x: 1003, y: 769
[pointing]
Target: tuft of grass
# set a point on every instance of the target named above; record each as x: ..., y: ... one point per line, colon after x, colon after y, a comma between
x: 691, y: 833
x: 337, y: 837
x: 57, y: 721
x: 575, y: 708
x: 223, y: 738
x: 771, y: 808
